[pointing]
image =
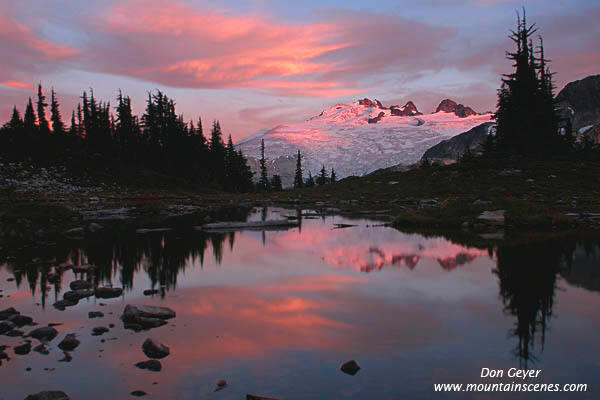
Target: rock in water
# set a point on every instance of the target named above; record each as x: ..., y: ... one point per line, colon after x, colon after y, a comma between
x: 154, y: 349
x: 138, y: 393
x: 99, y: 330
x: 255, y: 397
x: 350, y: 367
x: 69, y: 343
x: 80, y: 284
x: 6, y: 326
x: 21, y: 320
x: 7, y: 313
x: 150, y: 365
x: 23, y: 349
x: 48, y: 395
x: 95, y: 314
x: 45, y: 333
x: 221, y: 384
x: 138, y: 317
x: 62, y: 304
x: 108, y: 293
x: 76, y: 295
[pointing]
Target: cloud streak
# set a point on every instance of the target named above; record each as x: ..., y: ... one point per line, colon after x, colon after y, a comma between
x: 172, y: 44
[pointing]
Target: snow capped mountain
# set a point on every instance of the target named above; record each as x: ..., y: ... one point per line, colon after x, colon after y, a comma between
x: 358, y: 138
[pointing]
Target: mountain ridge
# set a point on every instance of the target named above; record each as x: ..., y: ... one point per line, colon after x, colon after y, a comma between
x: 357, y: 138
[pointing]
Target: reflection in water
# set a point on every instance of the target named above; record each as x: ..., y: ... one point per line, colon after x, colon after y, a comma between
x: 527, y: 277
x: 293, y: 293
x: 162, y: 256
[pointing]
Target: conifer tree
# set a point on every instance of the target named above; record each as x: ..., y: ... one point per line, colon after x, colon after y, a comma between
x: 15, y: 122
x: 263, y: 182
x: 333, y: 177
x: 29, y: 119
x: 298, y: 180
x: 526, y: 120
x: 310, y: 181
x: 57, y: 124
x: 41, y: 112
x: 322, y: 179
x: 276, y: 184
x: 73, y: 129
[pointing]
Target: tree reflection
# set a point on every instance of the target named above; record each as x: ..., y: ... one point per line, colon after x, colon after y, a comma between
x: 162, y: 256
x: 527, y: 275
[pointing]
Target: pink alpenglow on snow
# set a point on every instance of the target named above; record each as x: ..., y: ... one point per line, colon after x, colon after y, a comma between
x: 357, y: 138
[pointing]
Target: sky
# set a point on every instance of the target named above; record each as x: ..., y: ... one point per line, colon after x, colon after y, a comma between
x: 260, y: 63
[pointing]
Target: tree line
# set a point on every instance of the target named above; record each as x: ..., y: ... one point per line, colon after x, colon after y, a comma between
x: 98, y: 139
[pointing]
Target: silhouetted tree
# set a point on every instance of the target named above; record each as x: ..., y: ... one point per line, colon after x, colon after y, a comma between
x: 310, y: 181
x: 526, y: 120
x: 57, y: 124
x: 298, y: 180
x: 263, y: 183
x: 322, y: 179
x: 41, y: 112
x: 276, y: 183
x: 29, y: 118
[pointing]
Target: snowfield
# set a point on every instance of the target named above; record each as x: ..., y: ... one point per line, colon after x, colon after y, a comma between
x: 342, y: 138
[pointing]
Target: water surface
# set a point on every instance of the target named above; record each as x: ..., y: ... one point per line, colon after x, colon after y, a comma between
x: 276, y: 313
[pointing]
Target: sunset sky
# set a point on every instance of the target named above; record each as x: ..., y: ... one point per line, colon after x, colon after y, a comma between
x: 256, y: 64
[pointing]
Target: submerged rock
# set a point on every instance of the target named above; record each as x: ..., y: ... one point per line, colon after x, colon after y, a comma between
x: 7, y: 313
x: 80, y: 284
x: 99, y: 330
x: 108, y: 293
x: 221, y: 384
x: 350, y: 367
x: 138, y: 393
x: 150, y: 365
x: 22, y: 349
x: 6, y: 326
x: 69, y: 343
x: 154, y: 349
x: 48, y: 395
x: 21, y: 320
x: 137, y: 317
x: 62, y: 304
x: 42, y: 349
x: 95, y: 314
x: 83, y: 268
x: 76, y: 295
x: 45, y: 333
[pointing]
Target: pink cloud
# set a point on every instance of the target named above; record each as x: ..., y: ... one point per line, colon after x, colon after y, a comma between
x: 26, y: 53
x: 17, y: 84
x: 170, y: 43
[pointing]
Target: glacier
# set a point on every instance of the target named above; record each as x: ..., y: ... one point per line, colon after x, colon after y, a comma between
x: 355, y: 139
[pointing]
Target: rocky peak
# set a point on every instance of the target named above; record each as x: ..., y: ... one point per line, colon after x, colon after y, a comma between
x: 408, y: 110
x: 376, y: 119
x: 451, y: 106
x: 446, y: 105
x: 366, y: 102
